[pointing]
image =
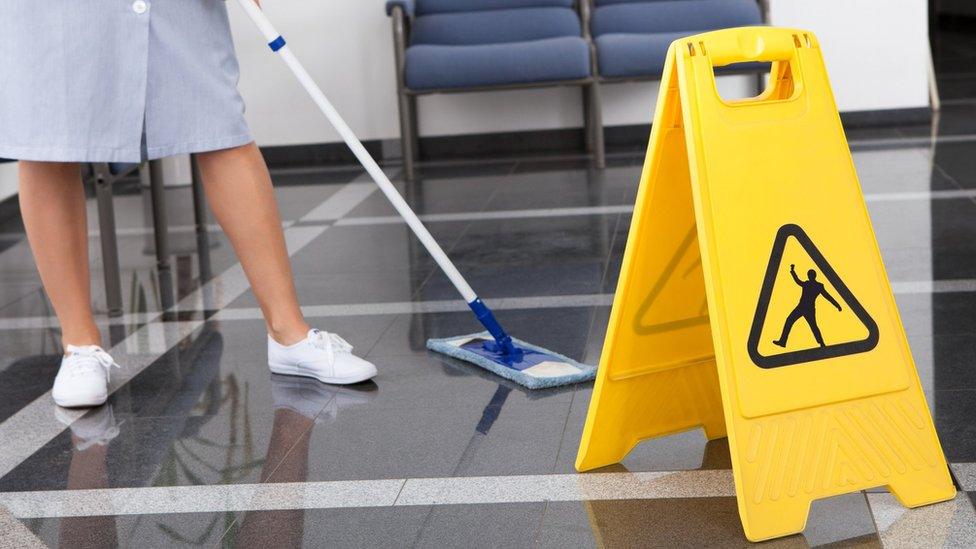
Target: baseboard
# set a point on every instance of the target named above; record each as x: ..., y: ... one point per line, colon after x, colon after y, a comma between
x: 628, y: 137
x: 886, y: 117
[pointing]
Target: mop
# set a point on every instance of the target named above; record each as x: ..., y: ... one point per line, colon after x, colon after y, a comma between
x: 492, y: 349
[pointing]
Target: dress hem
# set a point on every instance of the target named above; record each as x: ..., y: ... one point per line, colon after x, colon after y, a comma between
x: 122, y: 155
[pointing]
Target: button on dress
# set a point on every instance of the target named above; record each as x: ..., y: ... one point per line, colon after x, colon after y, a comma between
x: 117, y: 80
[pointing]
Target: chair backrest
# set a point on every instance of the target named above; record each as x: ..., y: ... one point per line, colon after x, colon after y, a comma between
x: 428, y: 7
x: 474, y: 22
x: 668, y: 16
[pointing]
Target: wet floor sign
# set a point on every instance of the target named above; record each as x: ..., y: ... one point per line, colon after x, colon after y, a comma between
x: 753, y: 301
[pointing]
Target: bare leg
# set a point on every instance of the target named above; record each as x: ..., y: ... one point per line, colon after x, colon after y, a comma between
x: 239, y: 190
x: 52, y: 203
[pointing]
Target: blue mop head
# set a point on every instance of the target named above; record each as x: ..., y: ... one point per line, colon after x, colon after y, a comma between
x: 537, y: 368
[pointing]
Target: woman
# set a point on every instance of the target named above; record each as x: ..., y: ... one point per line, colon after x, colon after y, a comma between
x: 128, y: 81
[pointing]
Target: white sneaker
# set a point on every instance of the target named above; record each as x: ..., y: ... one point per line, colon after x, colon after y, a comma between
x: 83, y: 378
x: 321, y: 355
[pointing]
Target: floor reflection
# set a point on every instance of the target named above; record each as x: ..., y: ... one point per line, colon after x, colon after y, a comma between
x: 299, y: 403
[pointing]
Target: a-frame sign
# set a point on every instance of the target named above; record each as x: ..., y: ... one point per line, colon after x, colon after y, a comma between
x: 801, y: 358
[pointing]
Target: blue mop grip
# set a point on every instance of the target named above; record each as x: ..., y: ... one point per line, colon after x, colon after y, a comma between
x: 487, y: 319
x: 277, y: 43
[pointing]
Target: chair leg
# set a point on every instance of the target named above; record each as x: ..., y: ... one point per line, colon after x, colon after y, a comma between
x: 415, y: 125
x: 109, y: 241
x: 200, y: 220
x: 596, y: 125
x: 587, y: 119
x: 160, y: 234
x: 406, y: 136
x: 158, y: 198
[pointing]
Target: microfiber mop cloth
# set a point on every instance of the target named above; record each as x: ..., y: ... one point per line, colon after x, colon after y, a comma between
x: 538, y: 368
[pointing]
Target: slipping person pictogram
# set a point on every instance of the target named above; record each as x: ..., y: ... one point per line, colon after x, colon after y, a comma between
x: 807, y: 307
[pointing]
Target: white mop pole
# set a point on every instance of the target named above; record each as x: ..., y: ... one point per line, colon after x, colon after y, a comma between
x: 277, y: 44
x: 481, y: 311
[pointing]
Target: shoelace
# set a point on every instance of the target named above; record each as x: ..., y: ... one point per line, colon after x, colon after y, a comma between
x: 329, y: 342
x: 90, y: 358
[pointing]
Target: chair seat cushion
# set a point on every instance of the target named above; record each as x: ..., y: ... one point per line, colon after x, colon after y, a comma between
x: 667, y: 16
x: 494, y: 26
x: 552, y: 59
x: 622, y: 55
x: 643, y: 55
x: 118, y: 168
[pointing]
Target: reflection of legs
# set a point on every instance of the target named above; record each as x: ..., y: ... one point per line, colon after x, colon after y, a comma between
x: 88, y: 470
x: 787, y: 326
x: 812, y: 321
x: 281, y: 528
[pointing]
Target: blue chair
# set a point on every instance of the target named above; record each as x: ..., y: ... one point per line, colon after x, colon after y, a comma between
x: 448, y: 46
x: 632, y: 36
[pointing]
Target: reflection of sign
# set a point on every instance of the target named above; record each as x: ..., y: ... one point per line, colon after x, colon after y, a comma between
x: 775, y: 338
x: 846, y: 412
x: 683, y: 269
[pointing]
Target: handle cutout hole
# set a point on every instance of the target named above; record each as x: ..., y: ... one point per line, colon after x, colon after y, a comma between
x: 750, y: 77
x: 775, y: 79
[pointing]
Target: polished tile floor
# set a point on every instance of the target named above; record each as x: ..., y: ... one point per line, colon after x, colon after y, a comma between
x: 200, y: 446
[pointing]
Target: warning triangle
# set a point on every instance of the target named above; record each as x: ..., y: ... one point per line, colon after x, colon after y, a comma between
x: 804, y: 321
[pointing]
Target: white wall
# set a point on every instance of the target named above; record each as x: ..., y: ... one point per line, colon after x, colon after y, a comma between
x: 875, y: 50
x: 8, y: 179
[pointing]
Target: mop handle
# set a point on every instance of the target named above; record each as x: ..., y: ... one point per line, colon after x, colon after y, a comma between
x: 277, y: 44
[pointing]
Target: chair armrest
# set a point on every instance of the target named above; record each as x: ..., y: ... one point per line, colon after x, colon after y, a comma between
x: 406, y: 5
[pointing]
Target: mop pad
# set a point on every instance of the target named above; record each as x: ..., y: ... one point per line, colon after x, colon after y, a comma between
x: 535, y: 368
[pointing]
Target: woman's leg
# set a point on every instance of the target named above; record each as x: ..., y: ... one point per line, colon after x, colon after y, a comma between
x: 52, y: 204
x: 239, y: 190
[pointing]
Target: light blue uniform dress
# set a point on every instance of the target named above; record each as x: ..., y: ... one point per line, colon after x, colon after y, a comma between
x: 117, y: 80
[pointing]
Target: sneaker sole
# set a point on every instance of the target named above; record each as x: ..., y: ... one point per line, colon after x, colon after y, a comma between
x: 80, y: 402
x: 293, y: 371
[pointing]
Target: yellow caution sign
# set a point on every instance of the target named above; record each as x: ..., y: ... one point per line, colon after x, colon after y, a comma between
x: 753, y: 300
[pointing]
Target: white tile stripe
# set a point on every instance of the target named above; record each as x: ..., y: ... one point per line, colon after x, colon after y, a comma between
x: 34, y: 425
x: 491, y: 215
x: 421, y: 307
x: 13, y: 533
x: 948, y: 524
x: 920, y: 195
x: 370, y: 493
x: 934, y: 286
x: 622, y: 208
x: 966, y: 475
x: 342, y: 202
x: 537, y: 302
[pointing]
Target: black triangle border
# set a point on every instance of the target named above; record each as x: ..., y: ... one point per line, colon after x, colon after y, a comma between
x: 762, y: 306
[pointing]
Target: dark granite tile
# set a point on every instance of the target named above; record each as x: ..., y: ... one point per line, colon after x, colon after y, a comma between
x: 535, y: 241
x: 502, y: 525
x: 352, y: 288
x: 400, y: 430
x: 545, y: 279
x: 954, y: 413
x: 436, y: 195
x: 372, y: 248
x: 148, y: 531
x: 958, y: 160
